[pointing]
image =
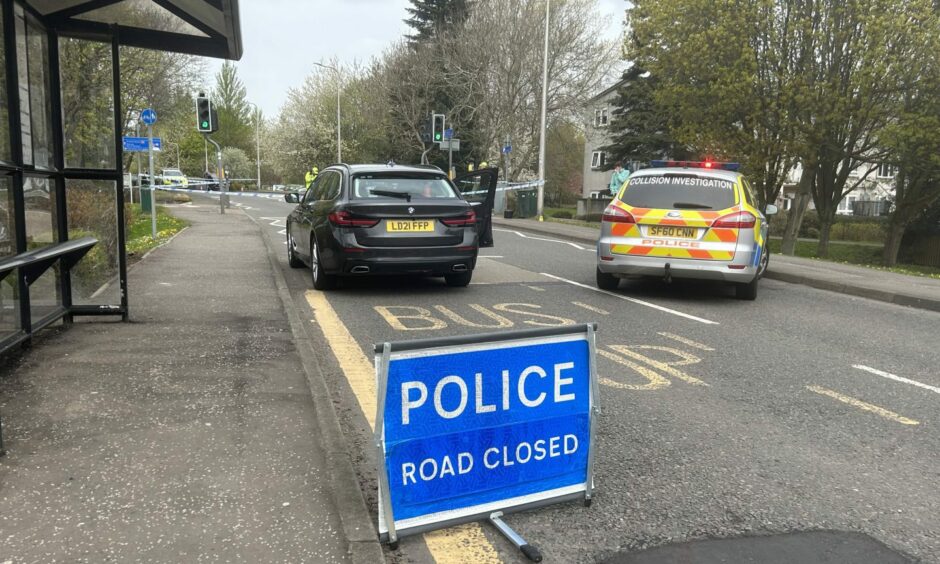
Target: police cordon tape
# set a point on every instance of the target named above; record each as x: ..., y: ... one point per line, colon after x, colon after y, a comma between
x: 511, y: 186
x: 271, y: 195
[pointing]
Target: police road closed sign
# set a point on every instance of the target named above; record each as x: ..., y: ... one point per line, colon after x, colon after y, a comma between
x: 470, y: 425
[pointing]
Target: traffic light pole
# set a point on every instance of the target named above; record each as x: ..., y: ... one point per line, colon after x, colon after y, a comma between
x: 223, y: 189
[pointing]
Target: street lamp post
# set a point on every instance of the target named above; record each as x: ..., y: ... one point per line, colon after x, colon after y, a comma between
x: 541, y: 191
x: 339, y: 137
x: 257, y: 141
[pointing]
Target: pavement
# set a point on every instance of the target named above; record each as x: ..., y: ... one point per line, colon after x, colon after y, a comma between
x: 914, y: 291
x: 199, y: 431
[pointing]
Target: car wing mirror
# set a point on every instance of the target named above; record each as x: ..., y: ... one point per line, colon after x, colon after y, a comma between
x: 771, y: 210
x: 292, y: 198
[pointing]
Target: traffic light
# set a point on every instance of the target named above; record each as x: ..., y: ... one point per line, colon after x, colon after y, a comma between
x: 438, y: 127
x: 205, y: 115
x: 426, y: 129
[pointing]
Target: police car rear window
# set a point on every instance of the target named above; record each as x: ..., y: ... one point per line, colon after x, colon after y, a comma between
x: 679, y: 191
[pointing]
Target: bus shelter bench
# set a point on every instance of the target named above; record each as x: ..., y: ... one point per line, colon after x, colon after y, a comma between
x: 33, y: 264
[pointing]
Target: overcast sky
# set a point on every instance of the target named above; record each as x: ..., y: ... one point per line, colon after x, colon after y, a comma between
x: 283, y: 38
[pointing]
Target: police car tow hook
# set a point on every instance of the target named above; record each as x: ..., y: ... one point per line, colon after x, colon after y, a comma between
x: 667, y: 278
x: 527, y: 549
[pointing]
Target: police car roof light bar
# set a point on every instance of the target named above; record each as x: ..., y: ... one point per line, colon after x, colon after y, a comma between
x: 734, y: 167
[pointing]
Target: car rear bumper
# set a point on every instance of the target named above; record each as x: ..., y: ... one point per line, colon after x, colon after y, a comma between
x: 429, y: 261
x: 741, y: 269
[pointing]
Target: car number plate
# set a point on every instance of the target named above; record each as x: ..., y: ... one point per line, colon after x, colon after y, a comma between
x: 419, y: 226
x: 672, y: 231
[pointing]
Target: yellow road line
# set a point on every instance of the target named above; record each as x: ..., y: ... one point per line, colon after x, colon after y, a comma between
x: 466, y: 543
x: 591, y: 308
x: 689, y: 342
x: 864, y: 406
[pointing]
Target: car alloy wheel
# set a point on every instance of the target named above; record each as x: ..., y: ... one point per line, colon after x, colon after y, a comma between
x: 764, y: 262
x: 292, y: 259
x: 321, y: 280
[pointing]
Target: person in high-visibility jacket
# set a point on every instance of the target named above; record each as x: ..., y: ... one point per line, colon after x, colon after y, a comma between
x: 311, y: 175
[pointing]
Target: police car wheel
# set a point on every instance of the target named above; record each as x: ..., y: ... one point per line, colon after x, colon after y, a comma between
x: 764, y: 263
x: 746, y: 290
x: 292, y: 258
x: 606, y: 281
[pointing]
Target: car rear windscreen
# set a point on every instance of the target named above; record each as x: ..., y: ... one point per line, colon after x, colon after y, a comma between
x: 387, y: 185
x: 679, y: 191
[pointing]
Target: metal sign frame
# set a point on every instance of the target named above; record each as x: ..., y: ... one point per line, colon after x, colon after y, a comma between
x: 391, y: 530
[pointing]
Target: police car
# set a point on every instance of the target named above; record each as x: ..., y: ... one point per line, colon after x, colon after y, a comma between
x: 682, y: 219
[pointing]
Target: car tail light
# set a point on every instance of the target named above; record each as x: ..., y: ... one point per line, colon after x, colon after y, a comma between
x: 613, y: 214
x: 469, y: 218
x: 737, y: 220
x: 345, y: 219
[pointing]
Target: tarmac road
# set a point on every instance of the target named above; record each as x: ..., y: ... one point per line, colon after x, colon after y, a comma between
x: 805, y: 410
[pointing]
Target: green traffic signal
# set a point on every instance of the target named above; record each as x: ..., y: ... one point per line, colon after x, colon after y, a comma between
x: 205, y: 125
x: 437, y: 136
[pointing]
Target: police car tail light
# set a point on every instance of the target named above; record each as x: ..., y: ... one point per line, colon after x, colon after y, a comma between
x: 469, y: 218
x: 345, y: 219
x: 613, y: 214
x: 737, y: 220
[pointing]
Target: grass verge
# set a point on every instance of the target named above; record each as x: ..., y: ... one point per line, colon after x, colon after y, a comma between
x: 859, y: 255
x: 139, y: 230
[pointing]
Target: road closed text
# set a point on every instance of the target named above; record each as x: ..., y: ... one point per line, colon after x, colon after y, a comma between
x: 492, y: 458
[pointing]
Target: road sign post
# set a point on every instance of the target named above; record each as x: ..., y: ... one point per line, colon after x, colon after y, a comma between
x: 149, y: 117
x: 471, y: 426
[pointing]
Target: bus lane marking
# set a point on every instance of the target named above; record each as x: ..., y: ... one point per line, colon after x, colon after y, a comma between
x: 683, y: 340
x: 634, y: 300
x: 446, y: 546
x: 901, y: 379
x: 417, y: 318
x: 890, y: 415
x: 591, y: 308
x: 663, y: 366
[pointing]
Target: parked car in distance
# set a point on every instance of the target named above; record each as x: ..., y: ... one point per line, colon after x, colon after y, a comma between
x: 360, y: 220
x: 173, y: 177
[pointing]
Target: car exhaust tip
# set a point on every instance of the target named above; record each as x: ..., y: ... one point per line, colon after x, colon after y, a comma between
x: 459, y: 268
x: 359, y: 269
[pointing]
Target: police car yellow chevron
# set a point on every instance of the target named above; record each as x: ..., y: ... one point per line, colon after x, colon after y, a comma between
x: 684, y: 219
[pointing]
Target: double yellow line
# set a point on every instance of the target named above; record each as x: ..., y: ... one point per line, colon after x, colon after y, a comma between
x: 456, y: 545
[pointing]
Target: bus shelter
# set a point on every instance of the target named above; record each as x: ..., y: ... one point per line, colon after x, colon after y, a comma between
x: 62, y: 197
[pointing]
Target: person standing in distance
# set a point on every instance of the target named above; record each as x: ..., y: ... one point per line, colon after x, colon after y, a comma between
x: 311, y: 175
x: 619, y: 176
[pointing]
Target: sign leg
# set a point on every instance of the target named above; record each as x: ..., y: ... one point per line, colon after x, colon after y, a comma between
x: 527, y: 549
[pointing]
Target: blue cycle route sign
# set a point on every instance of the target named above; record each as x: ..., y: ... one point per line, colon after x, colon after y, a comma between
x: 148, y: 116
x: 471, y: 425
x: 139, y: 144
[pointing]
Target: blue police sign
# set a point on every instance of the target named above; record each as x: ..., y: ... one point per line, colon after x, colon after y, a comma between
x: 470, y: 425
x: 148, y: 116
x: 507, y: 148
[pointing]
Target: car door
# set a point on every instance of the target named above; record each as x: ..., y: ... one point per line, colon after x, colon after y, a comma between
x: 327, y: 192
x: 479, y: 188
x: 303, y: 219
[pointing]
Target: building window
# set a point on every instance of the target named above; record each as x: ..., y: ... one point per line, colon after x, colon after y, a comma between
x: 600, y: 117
x: 598, y: 159
x: 886, y: 171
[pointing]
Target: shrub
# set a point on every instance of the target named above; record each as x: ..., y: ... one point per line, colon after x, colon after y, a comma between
x: 563, y: 214
x: 591, y: 217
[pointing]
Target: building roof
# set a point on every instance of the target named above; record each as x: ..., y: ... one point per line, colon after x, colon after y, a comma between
x: 197, y: 27
x: 612, y: 88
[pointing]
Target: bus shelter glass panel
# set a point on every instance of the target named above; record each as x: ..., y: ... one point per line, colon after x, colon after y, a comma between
x: 87, y: 103
x: 9, y: 294
x: 39, y: 196
x: 92, y: 212
x: 4, y: 105
x: 32, y: 52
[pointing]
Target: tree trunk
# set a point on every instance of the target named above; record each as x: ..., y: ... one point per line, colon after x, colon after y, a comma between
x: 797, y: 210
x: 896, y: 231
x: 825, y: 229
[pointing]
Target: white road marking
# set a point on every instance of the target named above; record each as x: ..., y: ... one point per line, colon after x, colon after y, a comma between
x: 490, y: 256
x: 591, y: 308
x: 901, y: 379
x: 535, y: 288
x: 283, y: 232
x: 689, y: 342
x: 275, y: 221
x: 634, y: 300
x: 524, y: 236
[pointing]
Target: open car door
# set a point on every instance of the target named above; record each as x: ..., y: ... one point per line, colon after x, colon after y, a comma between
x: 479, y: 188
